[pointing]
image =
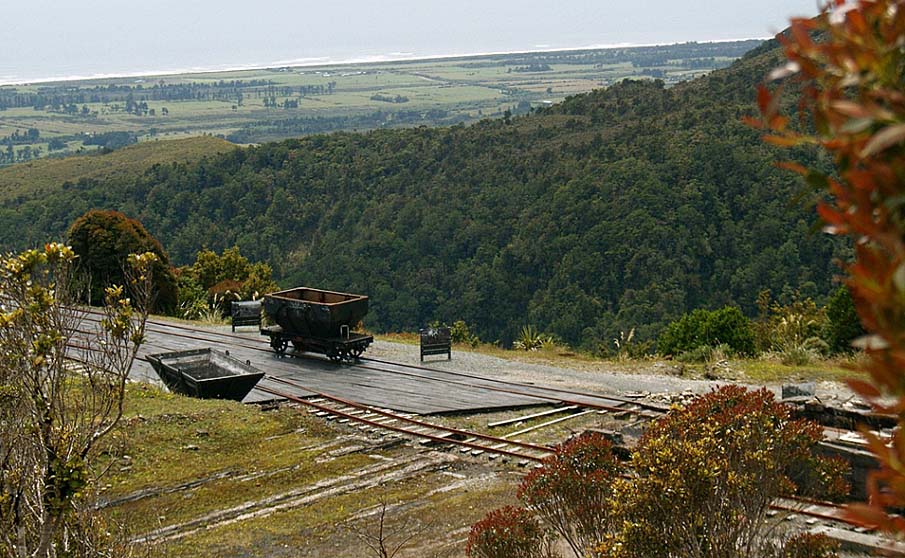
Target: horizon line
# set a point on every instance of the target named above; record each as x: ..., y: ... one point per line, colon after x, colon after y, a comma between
x: 315, y: 62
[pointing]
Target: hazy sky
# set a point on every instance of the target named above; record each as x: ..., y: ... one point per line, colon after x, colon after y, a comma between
x: 56, y: 38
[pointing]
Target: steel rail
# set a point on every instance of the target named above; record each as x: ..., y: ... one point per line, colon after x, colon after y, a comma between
x: 541, y: 396
x: 501, y: 443
x: 410, y: 432
x: 263, y: 347
x: 824, y: 515
x: 550, y: 397
x: 650, y: 406
x: 467, y: 433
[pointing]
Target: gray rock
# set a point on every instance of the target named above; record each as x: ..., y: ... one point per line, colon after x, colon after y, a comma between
x: 807, y: 389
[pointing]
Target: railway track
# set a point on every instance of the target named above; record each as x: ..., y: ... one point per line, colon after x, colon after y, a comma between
x: 345, y: 411
x: 476, y: 444
x: 595, y: 401
x: 410, y: 426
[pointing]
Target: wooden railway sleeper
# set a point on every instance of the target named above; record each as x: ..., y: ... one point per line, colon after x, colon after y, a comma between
x: 521, y: 453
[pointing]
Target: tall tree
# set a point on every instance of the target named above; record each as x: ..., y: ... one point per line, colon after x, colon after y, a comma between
x: 103, y: 240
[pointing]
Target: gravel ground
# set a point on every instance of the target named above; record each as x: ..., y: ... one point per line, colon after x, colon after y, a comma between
x: 592, y: 376
x: 659, y: 378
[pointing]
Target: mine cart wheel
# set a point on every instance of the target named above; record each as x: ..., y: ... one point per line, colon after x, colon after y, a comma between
x: 334, y: 356
x: 356, y: 352
x: 279, y: 345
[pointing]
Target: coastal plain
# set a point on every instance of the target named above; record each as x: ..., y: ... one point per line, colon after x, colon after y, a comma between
x: 253, y: 106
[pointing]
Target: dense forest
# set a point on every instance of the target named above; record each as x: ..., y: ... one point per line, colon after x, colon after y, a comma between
x: 619, y: 209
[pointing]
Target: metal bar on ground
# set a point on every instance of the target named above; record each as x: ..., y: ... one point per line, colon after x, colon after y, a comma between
x: 544, y: 424
x: 534, y: 416
x: 442, y: 439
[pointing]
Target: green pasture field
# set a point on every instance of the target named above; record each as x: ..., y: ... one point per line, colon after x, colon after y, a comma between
x: 460, y: 89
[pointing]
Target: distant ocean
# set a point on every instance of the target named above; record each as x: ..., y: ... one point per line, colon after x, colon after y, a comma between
x: 29, y: 76
x: 105, y: 38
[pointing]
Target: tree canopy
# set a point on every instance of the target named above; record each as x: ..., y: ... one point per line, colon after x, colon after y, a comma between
x: 103, y: 240
x: 623, y: 208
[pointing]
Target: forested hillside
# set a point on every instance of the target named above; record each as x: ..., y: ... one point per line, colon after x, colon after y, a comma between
x: 32, y: 178
x: 617, y: 209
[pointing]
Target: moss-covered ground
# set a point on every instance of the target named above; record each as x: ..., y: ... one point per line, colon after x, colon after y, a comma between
x: 217, y: 478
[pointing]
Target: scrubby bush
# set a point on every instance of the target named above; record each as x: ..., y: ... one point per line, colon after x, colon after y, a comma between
x: 794, y: 331
x: 508, y: 532
x: 459, y: 332
x: 192, y: 297
x: 726, y: 326
x: 706, y: 353
x: 807, y: 545
x: 703, y: 478
x: 207, y: 287
x: 570, y: 492
x: 231, y: 271
x: 707, y: 473
x: 55, y: 420
x: 627, y: 346
x: 530, y: 339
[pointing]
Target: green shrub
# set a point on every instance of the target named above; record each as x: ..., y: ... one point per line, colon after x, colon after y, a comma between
x: 795, y: 331
x: 571, y: 491
x: 703, y: 353
x: 231, y: 271
x: 530, y: 339
x: 803, y: 353
x: 842, y: 323
x: 706, y: 353
x: 627, y: 346
x: 702, y: 328
x: 706, y: 474
x: 459, y: 332
x: 808, y: 545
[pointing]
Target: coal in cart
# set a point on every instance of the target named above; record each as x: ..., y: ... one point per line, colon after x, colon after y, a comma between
x: 317, y: 321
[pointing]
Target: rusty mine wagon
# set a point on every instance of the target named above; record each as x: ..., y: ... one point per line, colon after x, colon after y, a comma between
x: 317, y: 321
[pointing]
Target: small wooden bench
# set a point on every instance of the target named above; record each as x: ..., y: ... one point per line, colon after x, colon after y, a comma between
x: 246, y: 313
x: 436, y: 341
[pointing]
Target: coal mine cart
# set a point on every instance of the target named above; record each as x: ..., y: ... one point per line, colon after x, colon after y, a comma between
x: 316, y: 321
